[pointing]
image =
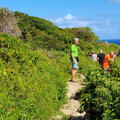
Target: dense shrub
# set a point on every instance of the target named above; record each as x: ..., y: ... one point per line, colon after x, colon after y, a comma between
x: 32, y: 83
x: 100, y: 98
x: 43, y: 33
x: 86, y: 64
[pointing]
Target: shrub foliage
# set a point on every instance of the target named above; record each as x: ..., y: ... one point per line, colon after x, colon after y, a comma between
x: 32, y: 84
x: 101, y: 96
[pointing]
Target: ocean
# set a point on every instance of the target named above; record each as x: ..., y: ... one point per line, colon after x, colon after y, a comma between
x: 115, y: 41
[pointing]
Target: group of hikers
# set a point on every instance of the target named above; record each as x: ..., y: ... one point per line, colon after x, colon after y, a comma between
x: 104, y: 60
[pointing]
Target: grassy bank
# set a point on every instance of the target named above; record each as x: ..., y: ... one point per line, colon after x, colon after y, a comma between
x: 33, y: 82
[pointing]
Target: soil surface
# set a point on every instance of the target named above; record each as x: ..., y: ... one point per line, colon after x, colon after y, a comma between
x: 73, y: 104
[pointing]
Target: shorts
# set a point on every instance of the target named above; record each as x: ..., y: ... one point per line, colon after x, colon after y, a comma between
x: 74, y: 65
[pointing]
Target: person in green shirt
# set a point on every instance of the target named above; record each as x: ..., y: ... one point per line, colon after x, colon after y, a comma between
x: 74, y: 58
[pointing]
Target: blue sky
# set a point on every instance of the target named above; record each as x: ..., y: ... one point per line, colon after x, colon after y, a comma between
x: 103, y: 16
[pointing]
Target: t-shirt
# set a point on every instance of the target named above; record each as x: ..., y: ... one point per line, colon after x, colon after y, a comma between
x: 73, y: 49
x: 94, y: 57
x: 101, y: 58
x: 106, y: 61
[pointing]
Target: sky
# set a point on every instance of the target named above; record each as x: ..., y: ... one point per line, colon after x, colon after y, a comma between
x: 102, y: 16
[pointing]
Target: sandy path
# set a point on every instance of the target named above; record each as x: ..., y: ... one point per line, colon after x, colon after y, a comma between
x: 73, y: 105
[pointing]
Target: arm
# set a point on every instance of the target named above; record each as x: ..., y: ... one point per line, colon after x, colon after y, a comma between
x: 73, y: 57
x: 97, y: 58
x: 113, y: 58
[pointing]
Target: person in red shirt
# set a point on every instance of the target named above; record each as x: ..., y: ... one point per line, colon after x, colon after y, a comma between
x: 107, y: 60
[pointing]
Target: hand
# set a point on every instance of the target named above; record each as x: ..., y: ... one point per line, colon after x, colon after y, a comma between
x: 115, y: 56
x: 74, y: 61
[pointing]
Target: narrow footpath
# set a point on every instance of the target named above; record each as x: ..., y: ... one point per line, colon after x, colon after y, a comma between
x: 71, y: 108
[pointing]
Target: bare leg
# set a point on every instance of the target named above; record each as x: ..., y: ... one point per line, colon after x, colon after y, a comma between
x: 76, y: 70
x: 73, y: 74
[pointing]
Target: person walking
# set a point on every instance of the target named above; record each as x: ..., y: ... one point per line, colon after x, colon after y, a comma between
x: 74, y: 58
x: 100, y: 57
x: 107, y: 60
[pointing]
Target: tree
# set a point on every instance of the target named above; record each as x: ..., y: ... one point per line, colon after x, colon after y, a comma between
x: 85, y: 33
x: 8, y: 23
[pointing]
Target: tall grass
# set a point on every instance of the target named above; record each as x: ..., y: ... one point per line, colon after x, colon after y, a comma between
x: 32, y: 82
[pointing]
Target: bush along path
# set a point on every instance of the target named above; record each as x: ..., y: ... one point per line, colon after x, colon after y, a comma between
x: 100, y: 98
x: 72, y: 106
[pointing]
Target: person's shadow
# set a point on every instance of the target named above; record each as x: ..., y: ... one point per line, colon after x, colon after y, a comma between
x: 75, y: 118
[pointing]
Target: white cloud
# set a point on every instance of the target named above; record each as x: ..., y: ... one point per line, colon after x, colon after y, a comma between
x: 114, y: 2
x: 71, y: 21
x: 69, y: 17
x: 59, y: 20
x: 104, y: 27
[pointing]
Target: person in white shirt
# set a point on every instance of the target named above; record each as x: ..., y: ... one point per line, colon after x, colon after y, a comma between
x: 94, y: 56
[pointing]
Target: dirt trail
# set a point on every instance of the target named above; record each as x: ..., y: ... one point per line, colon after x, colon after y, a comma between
x: 73, y: 105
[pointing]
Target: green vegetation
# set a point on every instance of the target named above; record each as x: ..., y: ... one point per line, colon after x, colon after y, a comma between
x: 41, y: 33
x: 44, y: 34
x: 35, y: 68
x: 100, y: 98
x: 33, y: 83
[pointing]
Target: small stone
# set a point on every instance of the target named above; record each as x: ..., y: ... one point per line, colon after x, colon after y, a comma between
x: 82, y: 77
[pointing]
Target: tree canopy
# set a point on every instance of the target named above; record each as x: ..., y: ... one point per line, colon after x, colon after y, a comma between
x: 43, y: 33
